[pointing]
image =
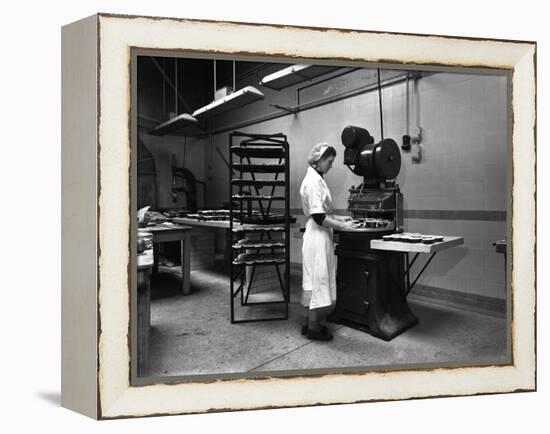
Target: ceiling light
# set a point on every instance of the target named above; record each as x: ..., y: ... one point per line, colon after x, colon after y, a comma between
x: 182, y: 124
x: 244, y: 96
x: 295, y: 74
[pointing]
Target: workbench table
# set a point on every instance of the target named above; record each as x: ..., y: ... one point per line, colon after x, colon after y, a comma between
x: 166, y: 232
x: 144, y: 266
x: 216, y: 224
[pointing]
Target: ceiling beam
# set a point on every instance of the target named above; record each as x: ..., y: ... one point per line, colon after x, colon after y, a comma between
x: 171, y: 84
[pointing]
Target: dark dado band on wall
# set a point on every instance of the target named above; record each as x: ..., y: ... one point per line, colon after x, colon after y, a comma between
x: 492, y: 306
x: 431, y: 214
x: 481, y: 215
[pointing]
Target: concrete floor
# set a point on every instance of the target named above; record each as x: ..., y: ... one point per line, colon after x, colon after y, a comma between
x: 192, y: 335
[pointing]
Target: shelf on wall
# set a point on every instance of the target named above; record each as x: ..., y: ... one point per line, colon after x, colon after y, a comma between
x: 295, y: 74
x: 183, y: 124
x: 237, y: 99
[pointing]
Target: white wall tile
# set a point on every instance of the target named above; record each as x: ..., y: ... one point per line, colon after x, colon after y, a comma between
x: 464, y: 167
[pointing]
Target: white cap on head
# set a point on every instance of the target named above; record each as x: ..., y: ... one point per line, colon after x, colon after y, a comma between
x: 316, y: 153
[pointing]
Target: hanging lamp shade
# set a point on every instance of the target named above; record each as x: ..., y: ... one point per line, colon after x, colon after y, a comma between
x: 237, y: 99
x: 295, y: 74
x: 183, y: 124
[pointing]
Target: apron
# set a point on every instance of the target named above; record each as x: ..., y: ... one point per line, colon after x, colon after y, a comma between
x: 318, y: 259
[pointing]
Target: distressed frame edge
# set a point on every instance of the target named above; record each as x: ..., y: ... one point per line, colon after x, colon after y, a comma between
x: 528, y: 381
x: 79, y: 218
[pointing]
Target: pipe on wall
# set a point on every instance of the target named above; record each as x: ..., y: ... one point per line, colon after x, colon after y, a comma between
x: 332, y: 77
x: 313, y: 104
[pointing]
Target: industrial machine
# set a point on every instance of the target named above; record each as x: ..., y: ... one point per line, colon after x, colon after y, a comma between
x: 371, y: 292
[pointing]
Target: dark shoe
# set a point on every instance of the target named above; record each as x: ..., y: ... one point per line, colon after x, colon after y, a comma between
x: 324, y: 329
x: 318, y: 335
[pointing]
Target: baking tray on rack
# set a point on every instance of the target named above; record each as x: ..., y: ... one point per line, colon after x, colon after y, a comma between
x: 259, y: 259
x: 255, y: 244
x: 256, y: 197
x: 258, y: 228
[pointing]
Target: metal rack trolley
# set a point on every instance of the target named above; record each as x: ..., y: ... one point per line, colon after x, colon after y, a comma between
x: 261, y: 161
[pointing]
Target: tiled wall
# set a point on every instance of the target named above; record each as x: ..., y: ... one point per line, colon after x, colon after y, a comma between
x: 202, y: 249
x: 474, y: 267
x: 464, y: 143
x: 463, y: 168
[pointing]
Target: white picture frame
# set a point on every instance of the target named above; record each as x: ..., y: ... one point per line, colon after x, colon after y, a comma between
x: 96, y: 218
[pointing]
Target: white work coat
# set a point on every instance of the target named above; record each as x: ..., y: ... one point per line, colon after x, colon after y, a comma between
x: 318, y: 259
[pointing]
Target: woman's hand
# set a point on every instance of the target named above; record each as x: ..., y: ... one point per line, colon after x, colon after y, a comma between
x: 347, y: 225
x: 339, y: 222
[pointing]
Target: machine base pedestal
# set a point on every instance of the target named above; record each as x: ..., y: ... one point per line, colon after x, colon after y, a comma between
x: 371, y: 294
x: 386, y: 331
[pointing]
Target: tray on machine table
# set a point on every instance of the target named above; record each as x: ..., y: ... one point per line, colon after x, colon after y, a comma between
x: 414, y: 244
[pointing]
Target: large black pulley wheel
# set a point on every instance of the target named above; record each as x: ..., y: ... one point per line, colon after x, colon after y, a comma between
x: 387, y: 159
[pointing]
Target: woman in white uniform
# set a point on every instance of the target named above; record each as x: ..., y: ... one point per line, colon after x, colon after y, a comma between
x: 318, y: 259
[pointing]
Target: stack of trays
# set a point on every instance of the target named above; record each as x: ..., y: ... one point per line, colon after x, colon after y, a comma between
x: 214, y: 215
x: 155, y: 217
x: 176, y: 213
x: 413, y: 238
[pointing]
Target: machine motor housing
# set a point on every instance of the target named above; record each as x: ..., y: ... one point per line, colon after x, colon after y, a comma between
x: 376, y: 162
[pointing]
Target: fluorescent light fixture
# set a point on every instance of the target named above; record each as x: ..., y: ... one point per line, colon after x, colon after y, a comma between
x: 181, y: 124
x: 244, y: 96
x: 295, y: 74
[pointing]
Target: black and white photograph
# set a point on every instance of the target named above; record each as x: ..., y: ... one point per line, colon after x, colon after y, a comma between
x: 296, y: 218
x: 275, y: 216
